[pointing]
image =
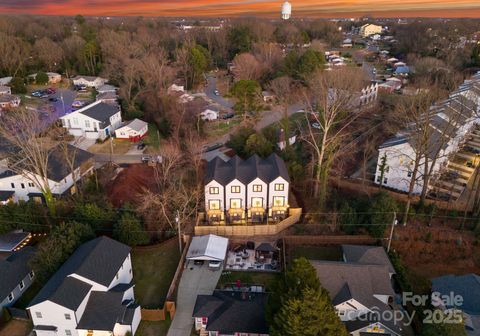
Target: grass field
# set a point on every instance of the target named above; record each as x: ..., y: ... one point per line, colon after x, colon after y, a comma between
x: 251, y: 278
x: 119, y: 147
x: 331, y: 253
x: 153, y: 270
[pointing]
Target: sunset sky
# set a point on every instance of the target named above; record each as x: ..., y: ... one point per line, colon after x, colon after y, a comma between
x: 219, y: 8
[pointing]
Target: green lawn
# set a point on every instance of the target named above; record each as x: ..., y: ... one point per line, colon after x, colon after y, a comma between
x: 252, y: 278
x: 331, y: 253
x: 152, y: 139
x: 153, y: 272
x: 147, y: 328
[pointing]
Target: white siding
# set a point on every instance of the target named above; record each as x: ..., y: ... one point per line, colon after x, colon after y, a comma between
x: 229, y: 195
x: 209, y: 197
x: 273, y: 193
x: 54, y: 315
x: 254, y: 194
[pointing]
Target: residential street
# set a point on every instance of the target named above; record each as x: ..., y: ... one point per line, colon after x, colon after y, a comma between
x: 210, y: 92
x: 196, y: 280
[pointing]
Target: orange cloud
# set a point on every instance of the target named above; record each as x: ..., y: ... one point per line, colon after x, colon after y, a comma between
x: 301, y: 8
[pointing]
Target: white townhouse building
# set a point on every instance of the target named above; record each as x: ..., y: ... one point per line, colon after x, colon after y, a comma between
x: 360, y: 290
x: 450, y: 124
x: 89, y: 81
x: 91, y: 294
x: 24, y: 186
x: 98, y: 120
x: 368, y: 94
x: 252, y: 190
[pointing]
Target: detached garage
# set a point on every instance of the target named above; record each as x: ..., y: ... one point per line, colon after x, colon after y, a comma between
x: 133, y: 131
x: 208, y: 248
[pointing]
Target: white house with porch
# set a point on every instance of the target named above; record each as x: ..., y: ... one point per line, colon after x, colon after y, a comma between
x: 91, y: 294
x: 89, y: 81
x: 252, y: 190
x: 98, y: 120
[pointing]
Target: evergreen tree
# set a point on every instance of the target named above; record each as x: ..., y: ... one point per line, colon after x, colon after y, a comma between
x: 129, y: 231
x: 41, y: 78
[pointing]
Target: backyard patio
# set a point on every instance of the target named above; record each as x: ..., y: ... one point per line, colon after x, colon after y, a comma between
x: 248, y: 257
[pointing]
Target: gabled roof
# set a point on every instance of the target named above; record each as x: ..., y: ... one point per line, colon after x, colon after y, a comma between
x: 104, y: 310
x: 99, y: 111
x: 364, y: 254
x: 13, y: 270
x: 233, y: 311
x: 58, y: 167
x: 9, y: 241
x: 246, y: 170
x: 136, y: 125
x: 97, y: 260
x: 87, y: 78
x: 467, y: 286
x: 208, y: 247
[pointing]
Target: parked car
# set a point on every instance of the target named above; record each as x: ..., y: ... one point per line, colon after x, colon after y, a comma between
x: 198, y: 262
x: 141, y: 146
x: 229, y: 115
x: 77, y: 104
x: 216, y: 93
x: 215, y: 264
x: 146, y: 158
x: 53, y: 99
x: 472, y: 149
x: 316, y: 125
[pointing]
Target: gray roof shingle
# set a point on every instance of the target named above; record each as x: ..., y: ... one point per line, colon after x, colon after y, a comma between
x: 13, y: 270
x: 467, y: 286
x: 246, y: 170
x: 101, y: 112
x: 98, y: 260
x: 364, y: 254
x: 58, y: 167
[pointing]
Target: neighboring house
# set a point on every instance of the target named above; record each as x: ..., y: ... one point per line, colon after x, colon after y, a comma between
x: 133, y: 130
x: 91, y: 294
x: 95, y: 121
x: 175, y: 88
x: 207, y: 248
x: 185, y: 98
x: 106, y: 88
x: 370, y: 29
x: 347, y: 43
x: 5, y: 80
x: 403, y: 71
x: 5, y: 90
x: 53, y: 77
x: 108, y: 98
x: 466, y: 287
x: 89, y: 81
x: 15, y: 276
x: 391, y: 84
x: 210, y: 113
x: 282, y: 142
x: 14, y: 241
x: 268, y: 97
x: 364, y: 254
x: 8, y: 101
x: 231, y: 313
x: 361, y: 294
x: 450, y: 123
x: 61, y: 179
x: 252, y: 190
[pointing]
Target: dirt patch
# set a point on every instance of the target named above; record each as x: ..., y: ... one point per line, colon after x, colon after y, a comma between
x: 16, y: 328
x: 432, y: 252
x: 130, y: 183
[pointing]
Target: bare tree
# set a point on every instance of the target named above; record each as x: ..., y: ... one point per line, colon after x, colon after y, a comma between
x: 331, y: 105
x: 247, y: 67
x: 14, y: 53
x: 49, y: 53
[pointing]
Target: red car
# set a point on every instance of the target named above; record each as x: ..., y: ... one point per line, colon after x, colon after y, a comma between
x: 51, y: 90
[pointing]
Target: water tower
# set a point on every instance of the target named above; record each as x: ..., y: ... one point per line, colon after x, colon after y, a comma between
x: 286, y: 10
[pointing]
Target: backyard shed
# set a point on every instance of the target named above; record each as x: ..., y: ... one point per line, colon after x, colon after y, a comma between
x: 208, y: 248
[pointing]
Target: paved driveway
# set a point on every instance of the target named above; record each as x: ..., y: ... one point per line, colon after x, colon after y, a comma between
x: 195, y: 280
x: 210, y: 92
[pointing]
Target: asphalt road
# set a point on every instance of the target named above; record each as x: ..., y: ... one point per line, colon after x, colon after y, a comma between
x: 210, y: 92
x: 118, y: 158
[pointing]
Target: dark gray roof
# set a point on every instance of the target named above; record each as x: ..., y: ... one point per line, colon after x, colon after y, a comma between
x: 364, y: 254
x: 70, y: 293
x: 13, y: 270
x: 266, y: 247
x: 98, y: 260
x: 5, y: 195
x: 58, y: 167
x: 246, y: 170
x: 101, y: 111
x: 364, y: 281
x: 103, y: 310
x: 9, y: 241
x: 467, y: 286
x: 233, y: 311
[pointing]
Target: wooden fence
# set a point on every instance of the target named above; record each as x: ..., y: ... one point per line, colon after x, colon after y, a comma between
x: 251, y: 230
x: 322, y: 240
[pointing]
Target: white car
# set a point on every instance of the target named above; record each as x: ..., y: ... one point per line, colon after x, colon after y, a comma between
x: 215, y: 264
x: 216, y: 93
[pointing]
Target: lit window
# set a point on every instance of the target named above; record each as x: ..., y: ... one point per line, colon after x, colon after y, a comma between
x: 21, y: 285
x: 235, y: 203
x: 279, y: 201
x: 279, y: 187
x: 68, y: 317
x: 235, y: 189
x: 214, y: 190
x: 257, y: 187
x: 10, y: 297
x: 214, y: 205
x: 38, y: 314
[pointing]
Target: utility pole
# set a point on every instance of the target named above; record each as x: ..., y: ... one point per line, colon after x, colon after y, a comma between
x: 111, y: 149
x: 177, y: 219
x: 395, y: 222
